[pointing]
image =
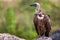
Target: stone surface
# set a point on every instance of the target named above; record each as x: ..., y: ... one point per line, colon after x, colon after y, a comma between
x: 43, y: 38
x: 6, y: 36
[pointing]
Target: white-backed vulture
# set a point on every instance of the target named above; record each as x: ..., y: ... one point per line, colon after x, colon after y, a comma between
x: 41, y: 21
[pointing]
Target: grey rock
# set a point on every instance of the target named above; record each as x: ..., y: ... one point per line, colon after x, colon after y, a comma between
x: 43, y: 38
x: 6, y: 36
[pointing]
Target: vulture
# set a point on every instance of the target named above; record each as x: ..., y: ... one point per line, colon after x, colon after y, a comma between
x: 41, y: 21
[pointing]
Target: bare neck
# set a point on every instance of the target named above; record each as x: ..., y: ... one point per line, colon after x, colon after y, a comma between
x: 37, y: 10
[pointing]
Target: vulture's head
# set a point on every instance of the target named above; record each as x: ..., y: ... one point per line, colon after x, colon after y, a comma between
x: 35, y: 5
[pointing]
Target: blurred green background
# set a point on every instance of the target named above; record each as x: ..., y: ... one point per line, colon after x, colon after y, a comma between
x: 16, y: 16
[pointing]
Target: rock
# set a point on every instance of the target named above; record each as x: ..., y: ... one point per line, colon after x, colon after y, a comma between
x: 6, y: 36
x: 43, y: 38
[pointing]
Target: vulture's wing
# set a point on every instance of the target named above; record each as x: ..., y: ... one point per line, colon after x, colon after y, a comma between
x: 47, y: 25
x: 36, y: 23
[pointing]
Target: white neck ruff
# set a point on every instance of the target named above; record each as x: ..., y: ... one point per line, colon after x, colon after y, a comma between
x: 40, y: 17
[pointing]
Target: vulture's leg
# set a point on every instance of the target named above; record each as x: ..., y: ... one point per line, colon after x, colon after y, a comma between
x: 47, y: 33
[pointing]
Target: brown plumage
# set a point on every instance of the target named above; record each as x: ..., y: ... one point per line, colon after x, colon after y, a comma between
x: 41, y: 21
x: 42, y: 26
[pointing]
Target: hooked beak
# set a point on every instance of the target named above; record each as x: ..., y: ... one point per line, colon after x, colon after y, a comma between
x: 33, y: 5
